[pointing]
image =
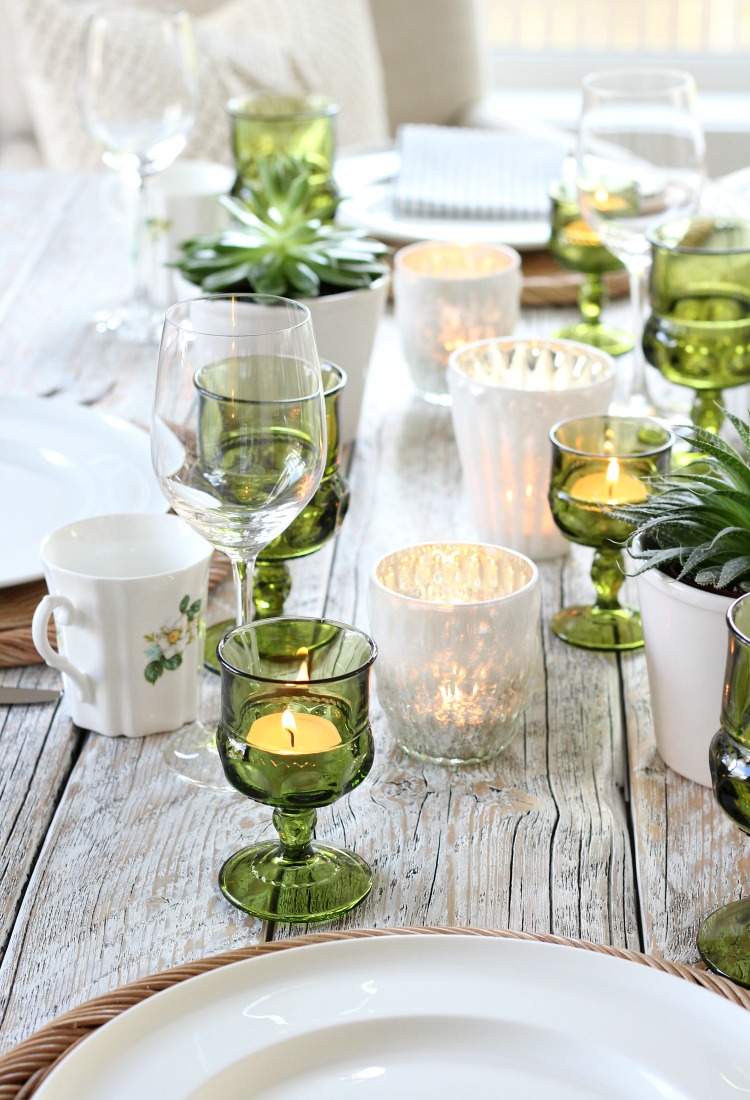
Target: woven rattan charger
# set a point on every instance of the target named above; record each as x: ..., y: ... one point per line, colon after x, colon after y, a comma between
x: 24, y: 1068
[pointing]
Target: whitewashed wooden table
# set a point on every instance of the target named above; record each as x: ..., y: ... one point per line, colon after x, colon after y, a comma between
x: 109, y: 862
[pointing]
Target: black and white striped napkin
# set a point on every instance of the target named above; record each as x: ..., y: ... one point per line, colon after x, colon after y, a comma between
x: 451, y: 172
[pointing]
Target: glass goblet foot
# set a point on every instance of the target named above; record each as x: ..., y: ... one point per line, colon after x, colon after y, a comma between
x: 296, y: 879
x: 192, y: 755
x: 594, y: 627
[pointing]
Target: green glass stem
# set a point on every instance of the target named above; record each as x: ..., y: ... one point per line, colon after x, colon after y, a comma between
x: 272, y: 584
x: 706, y: 410
x: 607, y: 577
x: 295, y: 829
x: 592, y: 297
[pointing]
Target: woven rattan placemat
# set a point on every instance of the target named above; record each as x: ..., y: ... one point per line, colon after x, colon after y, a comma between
x: 24, y: 1068
x: 17, y: 606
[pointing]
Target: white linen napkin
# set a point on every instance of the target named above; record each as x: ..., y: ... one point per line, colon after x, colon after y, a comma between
x: 451, y: 172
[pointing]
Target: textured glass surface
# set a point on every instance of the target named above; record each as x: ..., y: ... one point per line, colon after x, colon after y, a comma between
x: 616, y: 456
x: 311, y: 668
x: 457, y: 629
x: 724, y: 936
x: 299, y: 126
x: 698, y: 334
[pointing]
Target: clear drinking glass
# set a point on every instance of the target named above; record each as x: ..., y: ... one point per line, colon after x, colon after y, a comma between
x: 640, y: 159
x: 138, y: 97
x: 238, y: 437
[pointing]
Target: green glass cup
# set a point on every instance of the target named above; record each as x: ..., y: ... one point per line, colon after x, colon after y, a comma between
x: 698, y: 334
x: 724, y: 936
x: 295, y: 734
x: 599, y: 463
x: 302, y: 126
x: 308, y: 532
x: 575, y: 246
x: 316, y: 524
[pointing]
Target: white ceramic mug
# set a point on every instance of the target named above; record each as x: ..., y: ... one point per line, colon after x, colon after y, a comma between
x: 457, y: 630
x: 128, y: 593
x: 507, y: 394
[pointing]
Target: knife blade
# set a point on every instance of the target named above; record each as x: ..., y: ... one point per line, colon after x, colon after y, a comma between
x: 32, y: 696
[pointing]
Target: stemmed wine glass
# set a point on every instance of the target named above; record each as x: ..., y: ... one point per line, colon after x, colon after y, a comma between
x: 640, y: 159
x: 138, y: 96
x: 238, y: 442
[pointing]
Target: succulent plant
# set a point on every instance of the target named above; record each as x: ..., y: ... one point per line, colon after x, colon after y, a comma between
x: 279, y: 243
x: 696, y: 525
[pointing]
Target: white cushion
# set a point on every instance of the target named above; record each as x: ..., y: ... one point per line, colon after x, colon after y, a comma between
x: 243, y: 47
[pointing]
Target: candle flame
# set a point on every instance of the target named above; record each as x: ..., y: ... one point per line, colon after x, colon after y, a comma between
x: 288, y: 723
x: 304, y: 669
x: 613, y: 474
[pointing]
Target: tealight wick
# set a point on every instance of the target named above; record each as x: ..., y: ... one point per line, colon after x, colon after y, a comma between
x: 288, y: 723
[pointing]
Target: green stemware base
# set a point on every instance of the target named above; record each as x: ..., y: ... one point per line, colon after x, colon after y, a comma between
x: 599, y: 628
x: 724, y: 941
x: 615, y: 341
x: 278, y: 642
x: 322, y: 884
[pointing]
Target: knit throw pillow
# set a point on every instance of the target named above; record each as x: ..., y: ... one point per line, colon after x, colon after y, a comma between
x: 244, y: 47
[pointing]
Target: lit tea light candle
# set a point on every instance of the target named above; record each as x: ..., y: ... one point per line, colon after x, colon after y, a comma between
x: 293, y: 733
x: 612, y: 486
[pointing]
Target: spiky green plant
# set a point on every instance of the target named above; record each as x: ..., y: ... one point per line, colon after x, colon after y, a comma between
x: 696, y: 524
x: 279, y: 244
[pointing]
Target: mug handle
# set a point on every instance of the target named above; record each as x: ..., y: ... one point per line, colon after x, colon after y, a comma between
x: 40, y: 622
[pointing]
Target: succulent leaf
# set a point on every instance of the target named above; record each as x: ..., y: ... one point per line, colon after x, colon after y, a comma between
x: 279, y: 243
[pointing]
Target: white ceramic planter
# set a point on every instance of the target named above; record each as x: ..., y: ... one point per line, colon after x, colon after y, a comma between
x: 685, y: 633
x: 345, y: 325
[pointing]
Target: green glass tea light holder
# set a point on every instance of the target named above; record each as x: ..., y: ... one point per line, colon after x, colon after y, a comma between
x: 724, y: 936
x: 309, y: 532
x: 599, y: 463
x: 576, y: 246
x: 295, y: 735
x: 698, y: 333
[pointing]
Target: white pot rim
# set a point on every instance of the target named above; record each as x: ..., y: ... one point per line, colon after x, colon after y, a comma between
x: 686, y: 593
x: 343, y: 295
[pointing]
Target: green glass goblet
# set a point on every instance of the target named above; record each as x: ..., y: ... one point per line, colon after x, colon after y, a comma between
x: 302, y: 126
x: 600, y: 463
x: 575, y: 245
x: 724, y: 936
x: 698, y: 334
x: 295, y: 734
x: 309, y: 532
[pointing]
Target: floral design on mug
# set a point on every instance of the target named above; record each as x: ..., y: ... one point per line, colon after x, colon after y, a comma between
x: 168, y: 643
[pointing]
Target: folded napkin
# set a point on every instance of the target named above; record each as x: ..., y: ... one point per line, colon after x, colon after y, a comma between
x: 450, y: 172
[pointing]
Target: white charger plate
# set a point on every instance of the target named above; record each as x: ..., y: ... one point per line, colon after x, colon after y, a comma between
x: 423, y: 1016
x: 60, y: 462
x: 366, y: 182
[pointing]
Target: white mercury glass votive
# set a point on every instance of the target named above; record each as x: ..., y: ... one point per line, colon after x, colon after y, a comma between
x: 507, y: 394
x: 457, y: 627
x: 448, y: 295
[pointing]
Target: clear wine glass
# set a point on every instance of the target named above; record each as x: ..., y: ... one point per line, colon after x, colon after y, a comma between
x: 238, y: 442
x: 640, y: 159
x: 138, y: 96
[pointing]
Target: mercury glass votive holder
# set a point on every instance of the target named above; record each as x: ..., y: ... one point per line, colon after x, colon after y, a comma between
x: 302, y: 126
x: 448, y: 295
x: 457, y: 627
x: 598, y: 464
x: 698, y: 333
x: 295, y: 734
x: 507, y: 394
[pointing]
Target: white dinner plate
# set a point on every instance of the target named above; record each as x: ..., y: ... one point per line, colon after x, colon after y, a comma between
x: 60, y: 462
x: 366, y: 182
x: 419, y: 1016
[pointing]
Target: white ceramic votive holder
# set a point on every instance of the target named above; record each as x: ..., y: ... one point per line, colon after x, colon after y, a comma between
x: 448, y: 295
x: 456, y: 626
x: 507, y: 394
